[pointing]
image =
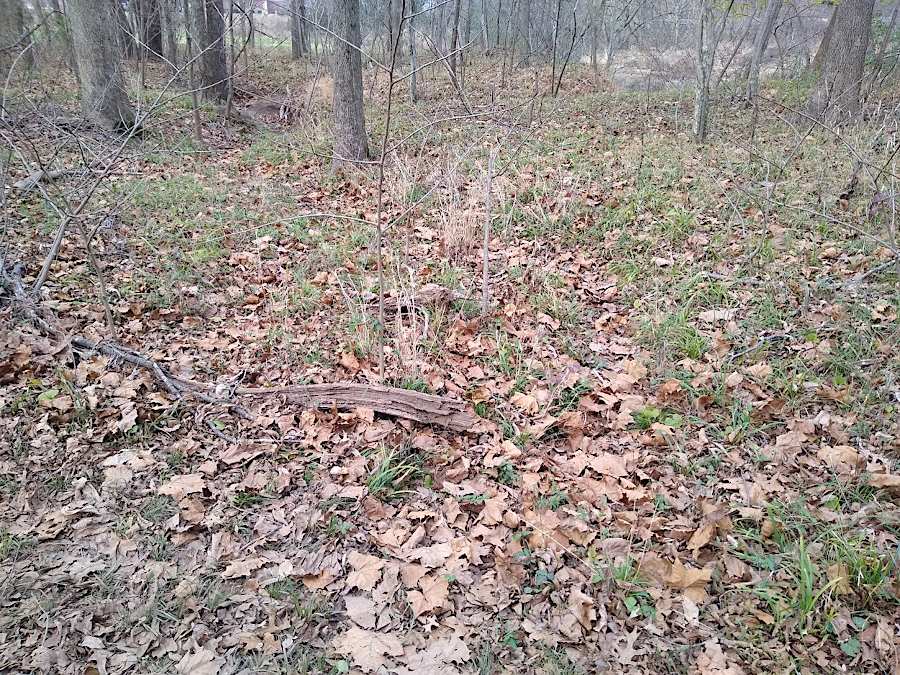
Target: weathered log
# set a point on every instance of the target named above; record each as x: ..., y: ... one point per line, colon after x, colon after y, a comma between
x: 403, y: 403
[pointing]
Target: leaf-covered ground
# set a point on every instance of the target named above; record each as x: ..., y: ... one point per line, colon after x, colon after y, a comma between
x: 686, y: 453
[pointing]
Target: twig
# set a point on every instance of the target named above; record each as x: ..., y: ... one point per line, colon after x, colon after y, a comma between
x: 760, y: 342
x: 404, y: 403
x: 487, y: 235
x: 378, y: 224
x: 104, y: 298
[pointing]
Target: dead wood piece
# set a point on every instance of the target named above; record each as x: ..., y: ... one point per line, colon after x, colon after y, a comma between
x: 36, y: 177
x: 404, y: 403
x: 428, y: 295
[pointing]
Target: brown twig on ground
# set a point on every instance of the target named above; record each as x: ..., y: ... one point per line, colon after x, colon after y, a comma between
x: 428, y: 295
x: 404, y: 403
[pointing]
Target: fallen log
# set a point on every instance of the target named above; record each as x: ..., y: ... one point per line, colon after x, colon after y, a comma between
x: 36, y: 177
x: 392, y: 401
x: 403, y: 403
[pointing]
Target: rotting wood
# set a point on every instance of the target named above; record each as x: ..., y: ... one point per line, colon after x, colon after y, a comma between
x: 429, y: 295
x: 405, y: 403
x: 392, y: 401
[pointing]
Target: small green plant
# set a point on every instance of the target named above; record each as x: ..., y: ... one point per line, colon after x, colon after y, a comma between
x: 556, y: 498
x: 337, y: 527
x: 161, y: 548
x: 508, y: 637
x: 646, y: 418
x: 314, y: 606
x: 807, y: 593
x: 244, y: 498
x: 286, y: 587
x: 11, y: 544
x: 158, y: 509
x: 484, y: 661
x: 640, y: 604
x: 393, y: 471
x: 557, y: 662
x: 506, y: 474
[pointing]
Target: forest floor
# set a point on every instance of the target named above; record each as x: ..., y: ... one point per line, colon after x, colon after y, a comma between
x: 686, y: 455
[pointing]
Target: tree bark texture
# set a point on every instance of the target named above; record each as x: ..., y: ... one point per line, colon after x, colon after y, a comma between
x: 454, y: 35
x: 170, y: 31
x: 770, y: 15
x: 350, y: 142
x: 208, y: 29
x: 104, y: 98
x: 298, y: 29
x: 706, y: 54
x: 819, y: 58
x: 836, y: 96
x: 525, y: 30
x: 413, y: 55
x: 12, y: 34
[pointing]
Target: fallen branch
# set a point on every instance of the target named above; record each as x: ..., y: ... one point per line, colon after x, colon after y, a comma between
x: 429, y: 295
x: 36, y: 177
x: 403, y: 403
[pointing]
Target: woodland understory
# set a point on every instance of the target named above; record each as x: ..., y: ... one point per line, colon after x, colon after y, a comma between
x: 677, y: 449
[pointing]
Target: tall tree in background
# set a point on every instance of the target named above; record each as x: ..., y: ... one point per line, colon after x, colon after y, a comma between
x: 413, y: 55
x: 454, y: 35
x: 836, y: 96
x: 770, y: 15
x: 168, y: 10
x: 208, y: 28
x: 706, y: 55
x: 104, y: 99
x: 299, y: 46
x: 875, y: 76
x: 350, y: 142
x: 819, y: 59
x: 12, y: 33
x: 148, y: 24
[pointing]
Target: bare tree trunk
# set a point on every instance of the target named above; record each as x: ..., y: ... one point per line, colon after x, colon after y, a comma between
x: 148, y: 23
x: 104, y: 99
x: 454, y: 35
x: 525, y: 30
x: 170, y: 31
x: 12, y: 34
x: 706, y: 54
x: 350, y: 142
x: 126, y: 32
x: 208, y: 28
x: 770, y: 15
x: 389, y: 21
x: 486, y: 50
x: 297, y: 46
x: 819, y: 58
x: 195, y: 103
x: 413, y: 55
x: 836, y: 97
x: 882, y: 49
